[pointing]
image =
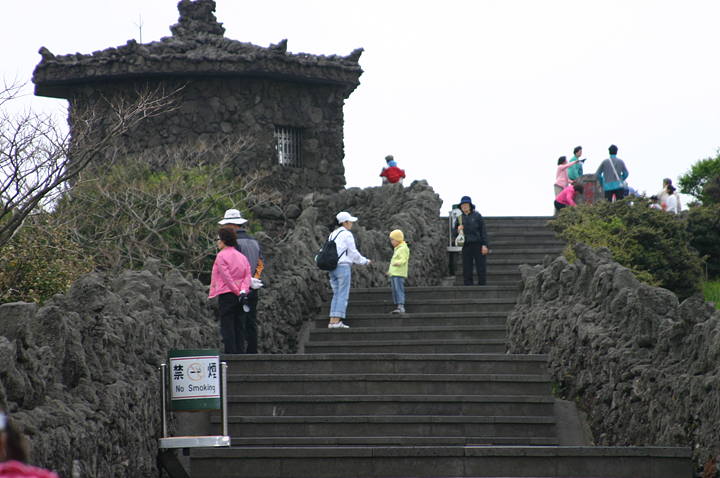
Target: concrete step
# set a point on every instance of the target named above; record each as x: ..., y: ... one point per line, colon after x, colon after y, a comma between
x: 388, y: 384
x: 529, y: 245
x: 522, y: 237
x: 510, y: 257
x: 440, y: 461
x: 419, y: 319
x: 427, y: 293
x: 465, y: 346
x: 378, y: 405
x: 427, y: 306
x: 394, y: 334
x: 410, y: 441
x: 390, y: 425
x: 444, y: 364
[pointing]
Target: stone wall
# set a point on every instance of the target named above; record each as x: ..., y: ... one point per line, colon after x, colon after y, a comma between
x: 231, y: 109
x: 644, y: 368
x: 80, y: 374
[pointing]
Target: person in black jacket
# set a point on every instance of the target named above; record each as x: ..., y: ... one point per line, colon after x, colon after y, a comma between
x: 476, y: 241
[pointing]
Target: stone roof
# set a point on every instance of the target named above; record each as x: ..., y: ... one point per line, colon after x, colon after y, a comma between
x: 197, y: 47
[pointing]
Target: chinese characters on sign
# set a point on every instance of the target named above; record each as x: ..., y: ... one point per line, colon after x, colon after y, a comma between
x: 195, y: 377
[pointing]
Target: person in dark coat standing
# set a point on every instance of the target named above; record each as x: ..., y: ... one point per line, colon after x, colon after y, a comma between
x: 476, y: 241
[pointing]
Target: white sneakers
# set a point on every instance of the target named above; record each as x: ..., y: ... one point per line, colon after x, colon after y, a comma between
x: 339, y: 325
x: 399, y: 310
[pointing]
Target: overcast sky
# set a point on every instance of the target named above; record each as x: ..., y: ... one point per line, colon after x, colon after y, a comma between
x: 478, y: 97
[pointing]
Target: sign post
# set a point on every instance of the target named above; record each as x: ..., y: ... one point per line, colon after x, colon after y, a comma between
x: 194, y: 380
x: 197, y: 381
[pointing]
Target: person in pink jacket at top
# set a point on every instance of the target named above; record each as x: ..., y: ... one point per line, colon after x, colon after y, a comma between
x: 567, y: 196
x: 230, y: 283
x: 561, y: 177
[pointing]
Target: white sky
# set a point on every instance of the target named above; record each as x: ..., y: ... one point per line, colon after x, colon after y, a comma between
x: 479, y: 97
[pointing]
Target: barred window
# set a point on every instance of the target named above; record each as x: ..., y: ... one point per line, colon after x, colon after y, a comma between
x: 289, y: 146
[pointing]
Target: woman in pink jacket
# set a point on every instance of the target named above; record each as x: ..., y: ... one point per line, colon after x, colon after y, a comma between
x: 230, y: 283
x: 561, y: 176
x: 567, y: 196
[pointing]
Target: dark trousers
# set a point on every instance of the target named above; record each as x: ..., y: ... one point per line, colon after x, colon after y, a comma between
x: 559, y: 206
x: 232, y: 329
x: 619, y: 194
x: 249, y: 320
x: 470, y: 252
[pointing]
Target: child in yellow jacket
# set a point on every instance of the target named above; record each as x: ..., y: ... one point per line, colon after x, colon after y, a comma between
x: 398, y: 270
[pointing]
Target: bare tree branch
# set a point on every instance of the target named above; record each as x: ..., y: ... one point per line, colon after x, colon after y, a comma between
x: 37, y: 158
x: 161, y: 204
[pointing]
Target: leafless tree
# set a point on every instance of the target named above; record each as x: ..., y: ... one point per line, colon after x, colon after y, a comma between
x: 161, y: 204
x: 37, y: 157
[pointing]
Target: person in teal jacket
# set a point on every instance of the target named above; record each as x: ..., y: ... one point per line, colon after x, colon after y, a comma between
x: 576, y: 170
x: 612, y: 174
x: 398, y: 270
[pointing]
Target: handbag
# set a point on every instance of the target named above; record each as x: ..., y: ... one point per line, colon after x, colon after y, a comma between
x: 460, y: 239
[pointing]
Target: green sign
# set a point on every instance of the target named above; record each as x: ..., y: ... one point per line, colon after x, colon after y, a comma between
x: 194, y: 380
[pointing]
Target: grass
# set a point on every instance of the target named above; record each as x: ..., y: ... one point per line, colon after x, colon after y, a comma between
x: 711, y: 291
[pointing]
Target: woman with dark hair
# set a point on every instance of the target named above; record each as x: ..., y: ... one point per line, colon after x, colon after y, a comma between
x: 13, y: 452
x: 567, y: 196
x: 561, y: 176
x: 671, y: 203
x: 230, y: 283
x: 341, y: 276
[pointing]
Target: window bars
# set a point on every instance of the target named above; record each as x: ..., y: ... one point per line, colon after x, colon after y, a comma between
x: 288, y: 146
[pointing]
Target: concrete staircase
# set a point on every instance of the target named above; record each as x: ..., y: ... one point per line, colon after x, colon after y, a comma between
x: 428, y: 393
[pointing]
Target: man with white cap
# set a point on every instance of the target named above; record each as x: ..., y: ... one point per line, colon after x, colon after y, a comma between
x: 250, y: 248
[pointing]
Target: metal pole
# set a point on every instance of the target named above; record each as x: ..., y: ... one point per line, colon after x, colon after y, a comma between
x: 163, y: 397
x: 223, y: 368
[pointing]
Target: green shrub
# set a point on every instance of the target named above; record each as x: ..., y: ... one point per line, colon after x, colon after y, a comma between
x: 711, y: 291
x: 649, y: 242
x: 703, y: 223
x: 35, y: 265
x: 701, y: 180
x: 164, y: 206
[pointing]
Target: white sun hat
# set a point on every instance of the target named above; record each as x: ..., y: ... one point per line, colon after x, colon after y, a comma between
x: 233, y: 216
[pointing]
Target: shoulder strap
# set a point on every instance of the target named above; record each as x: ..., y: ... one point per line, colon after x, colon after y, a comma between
x: 614, y: 170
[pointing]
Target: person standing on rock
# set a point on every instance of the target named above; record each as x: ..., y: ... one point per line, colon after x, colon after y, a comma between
x: 13, y: 452
x: 230, y: 283
x: 341, y: 276
x: 250, y: 248
x: 476, y: 243
x: 398, y: 270
x: 612, y: 174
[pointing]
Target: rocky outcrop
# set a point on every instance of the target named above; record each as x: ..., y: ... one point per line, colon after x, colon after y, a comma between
x: 296, y: 287
x: 81, y: 376
x: 644, y: 368
x: 80, y: 373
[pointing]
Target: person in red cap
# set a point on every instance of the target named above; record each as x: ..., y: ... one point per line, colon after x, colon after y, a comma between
x: 476, y: 243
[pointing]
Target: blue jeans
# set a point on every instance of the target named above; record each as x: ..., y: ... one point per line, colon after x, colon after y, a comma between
x: 340, y: 282
x: 398, y: 289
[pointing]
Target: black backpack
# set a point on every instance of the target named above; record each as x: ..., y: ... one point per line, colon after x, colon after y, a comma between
x: 327, y: 258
